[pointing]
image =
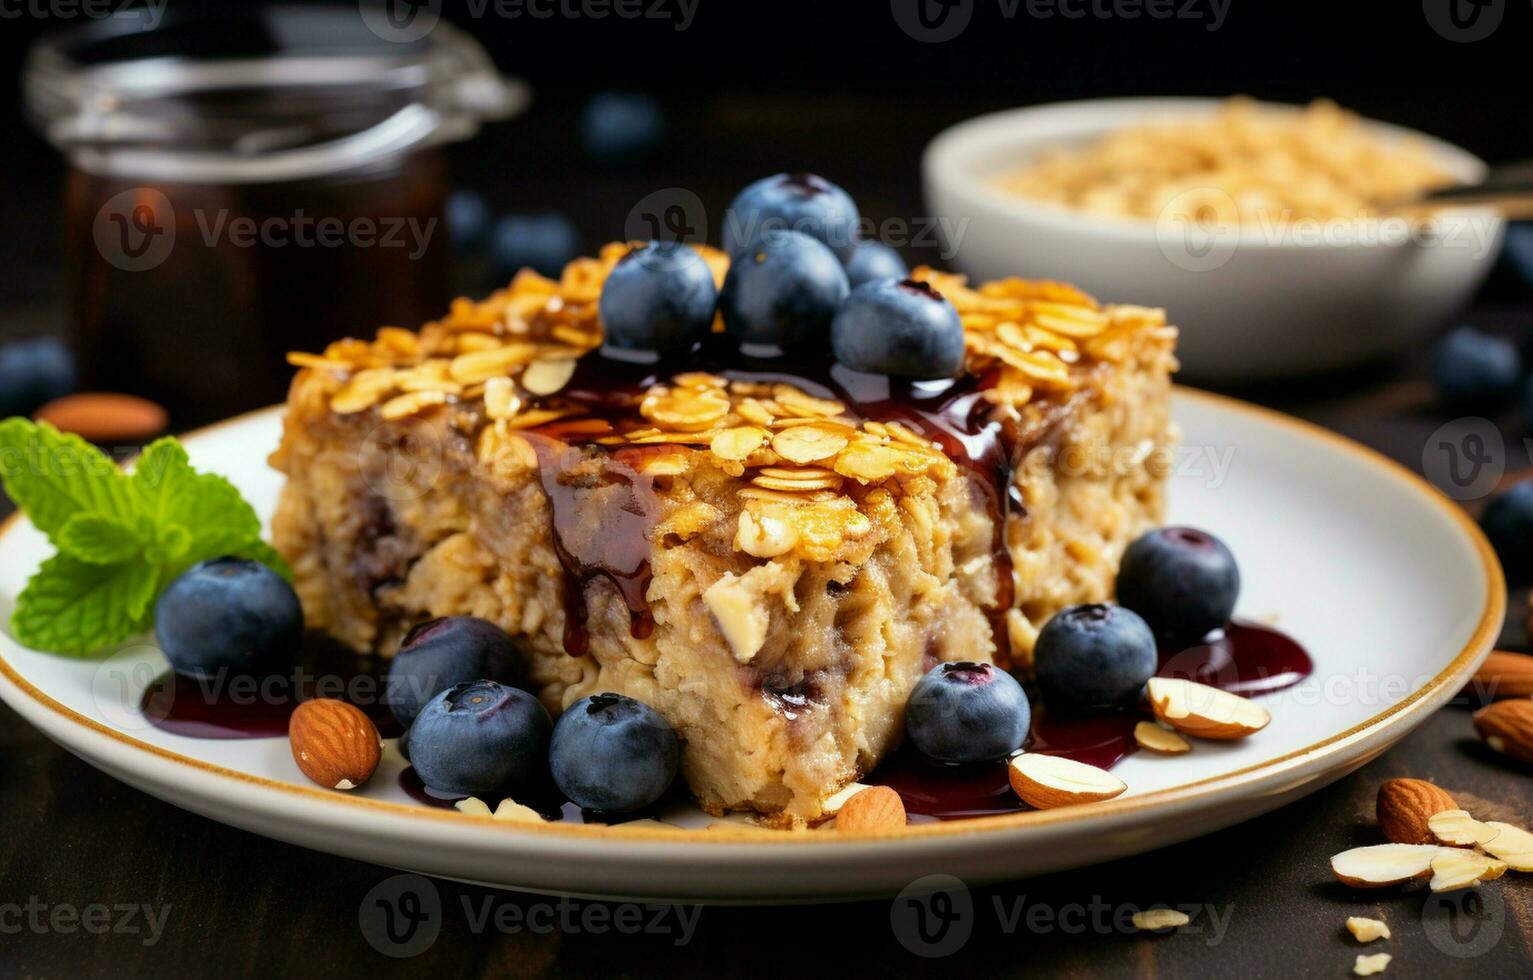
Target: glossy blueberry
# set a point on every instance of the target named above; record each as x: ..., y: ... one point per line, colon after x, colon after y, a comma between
x: 33, y: 373
x: 872, y: 260
x: 442, y: 652
x: 621, y: 127
x: 1182, y: 581
x: 902, y: 328
x: 545, y: 242
x: 658, y: 297
x: 480, y: 737
x: 796, y: 202
x: 228, y: 617
x: 468, y: 219
x: 613, y: 753
x: 784, y: 290
x: 967, y: 712
x: 1093, y: 656
x: 1475, y: 371
x: 1508, y: 523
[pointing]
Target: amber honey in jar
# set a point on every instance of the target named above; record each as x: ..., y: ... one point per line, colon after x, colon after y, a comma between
x: 248, y: 183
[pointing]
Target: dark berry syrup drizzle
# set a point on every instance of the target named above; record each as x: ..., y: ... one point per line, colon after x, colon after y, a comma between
x: 1243, y: 658
x: 246, y: 707
x: 952, y: 412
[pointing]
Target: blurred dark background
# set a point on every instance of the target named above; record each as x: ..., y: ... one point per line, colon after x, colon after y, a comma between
x: 841, y: 89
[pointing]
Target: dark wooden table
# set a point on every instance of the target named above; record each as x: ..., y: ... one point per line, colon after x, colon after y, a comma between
x: 234, y: 904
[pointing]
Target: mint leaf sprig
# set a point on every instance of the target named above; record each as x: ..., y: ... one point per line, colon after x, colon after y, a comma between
x: 121, y: 538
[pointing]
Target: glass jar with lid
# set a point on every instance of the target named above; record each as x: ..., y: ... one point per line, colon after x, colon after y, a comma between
x: 249, y: 182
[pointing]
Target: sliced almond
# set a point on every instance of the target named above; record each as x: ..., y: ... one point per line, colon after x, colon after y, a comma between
x: 1366, y: 930
x: 1457, y: 827
x: 473, y: 806
x: 1153, y: 738
x: 1511, y: 844
x: 1367, y: 966
x: 1205, y: 712
x: 1382, y: 865
x: 509, y: 809
x: 1048, y: 781
x: 1458, y: 867
x: 1154, y: 920
x: 547, y: 375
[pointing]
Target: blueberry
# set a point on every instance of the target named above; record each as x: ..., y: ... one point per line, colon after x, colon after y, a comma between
x: 1517, y: 252
x: 33, y: 373
x: 1182, y: 581
x: 658, y: 297
x: 903, y: 328
x: 228, y: 616
x: 796, y: 202
x: 621, y: 127
x: 545, y: 242
x: 613, y: 753
x: 967, y: 712
x: 1475, y: 371
x: 1508, y: 523
x: 442, y: 652
x: 1093, y: 656
x: 479, y: 738
x: 872, y: 260
x: 468, y: 220
x: 784, y: 290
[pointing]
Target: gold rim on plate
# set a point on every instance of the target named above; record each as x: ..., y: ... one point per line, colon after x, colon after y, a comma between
x: 1457, y: 671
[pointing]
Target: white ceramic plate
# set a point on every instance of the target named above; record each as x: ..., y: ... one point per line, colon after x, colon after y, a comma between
x: 1392, y: 590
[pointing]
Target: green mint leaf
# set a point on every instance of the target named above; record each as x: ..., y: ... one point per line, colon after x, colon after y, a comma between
x: 99, y: 540
x: 218, y: 521
x: 74, y: 607
x: 53, y: 476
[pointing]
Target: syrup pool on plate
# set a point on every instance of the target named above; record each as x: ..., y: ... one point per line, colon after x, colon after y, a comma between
x: 1243, y: 658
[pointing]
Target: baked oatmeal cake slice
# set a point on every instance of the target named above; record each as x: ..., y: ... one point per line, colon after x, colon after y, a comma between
x: 769, y: 554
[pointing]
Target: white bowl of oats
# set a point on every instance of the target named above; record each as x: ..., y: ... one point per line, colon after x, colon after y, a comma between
x: 1268, y: 232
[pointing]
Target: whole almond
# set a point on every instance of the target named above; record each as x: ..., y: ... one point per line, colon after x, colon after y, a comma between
x: 1504, y: 675
x: 1405, y: 805
x: 105, y: 417
x: 1507, y: 727
x: 334, y: 743
x: 873, y: 809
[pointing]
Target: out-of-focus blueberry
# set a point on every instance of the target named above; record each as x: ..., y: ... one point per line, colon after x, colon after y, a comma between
x: 1475, y: 371
x: 545, y: 242
x: 33, y: 373
x: 1508, y: 523
x: 468, y: 220
x: 621, y: 127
